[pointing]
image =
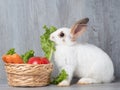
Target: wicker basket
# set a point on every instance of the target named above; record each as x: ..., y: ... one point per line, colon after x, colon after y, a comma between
x: 28, y: 74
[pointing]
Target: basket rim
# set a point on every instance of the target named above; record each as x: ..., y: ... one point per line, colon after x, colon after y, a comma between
x: 29, y: 64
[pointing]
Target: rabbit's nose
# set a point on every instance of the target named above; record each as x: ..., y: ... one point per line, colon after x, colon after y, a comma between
x: 52, y: 38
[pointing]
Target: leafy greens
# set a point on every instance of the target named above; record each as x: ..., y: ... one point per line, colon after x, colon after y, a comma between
x: 11, y: 51
x: 62, y: 76
x: 27, y: 55
x: 47, y: 45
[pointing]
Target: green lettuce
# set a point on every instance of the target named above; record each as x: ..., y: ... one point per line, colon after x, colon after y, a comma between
x: 27, y: 55
x: 47, y: 45
x: 62, y: 76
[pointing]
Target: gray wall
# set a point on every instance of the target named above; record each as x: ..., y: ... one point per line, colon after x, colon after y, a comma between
x: 21, y: 24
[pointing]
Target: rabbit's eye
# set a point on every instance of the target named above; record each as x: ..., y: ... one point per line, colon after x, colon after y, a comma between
x: 61, y: 34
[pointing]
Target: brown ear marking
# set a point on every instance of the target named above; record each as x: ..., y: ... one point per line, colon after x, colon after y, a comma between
x: 77, y: 31
x: 78, y: 28
x: 83, y: 21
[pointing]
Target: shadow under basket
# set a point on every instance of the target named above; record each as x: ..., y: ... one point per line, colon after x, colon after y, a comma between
x: 28, y: 74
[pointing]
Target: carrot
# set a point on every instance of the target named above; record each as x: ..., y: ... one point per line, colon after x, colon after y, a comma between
x: 12, y: 57
x: 4, y: 58
x: 7, y: 58
x: 15, y: 58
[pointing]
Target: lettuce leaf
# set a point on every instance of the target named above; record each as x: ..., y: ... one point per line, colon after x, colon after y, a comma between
x: 47, y: 45
x: 62, y: 76
x: 27, y: 55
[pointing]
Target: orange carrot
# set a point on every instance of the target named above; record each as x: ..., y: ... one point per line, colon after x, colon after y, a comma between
x: 7, y: 58
x: 15, y: 58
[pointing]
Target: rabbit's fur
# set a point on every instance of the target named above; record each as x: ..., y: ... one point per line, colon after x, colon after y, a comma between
x: 86, y: 61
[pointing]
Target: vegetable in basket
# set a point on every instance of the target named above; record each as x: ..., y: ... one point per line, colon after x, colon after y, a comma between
x: 38, y: 60
x: 12, y: 57
x: 27, y: 55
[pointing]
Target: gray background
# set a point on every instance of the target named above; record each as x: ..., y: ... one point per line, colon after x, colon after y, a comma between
x: 21, y: 23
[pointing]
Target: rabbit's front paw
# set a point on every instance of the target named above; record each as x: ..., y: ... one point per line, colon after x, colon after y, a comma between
x: 64, y: 83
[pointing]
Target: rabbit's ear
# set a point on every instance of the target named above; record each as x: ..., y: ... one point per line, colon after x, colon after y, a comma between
x: 78, y: 28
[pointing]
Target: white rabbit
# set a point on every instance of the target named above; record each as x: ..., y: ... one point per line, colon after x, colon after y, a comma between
x: 86, y: 61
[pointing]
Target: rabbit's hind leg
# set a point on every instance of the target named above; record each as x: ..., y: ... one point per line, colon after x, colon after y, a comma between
x: 85, y: 81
